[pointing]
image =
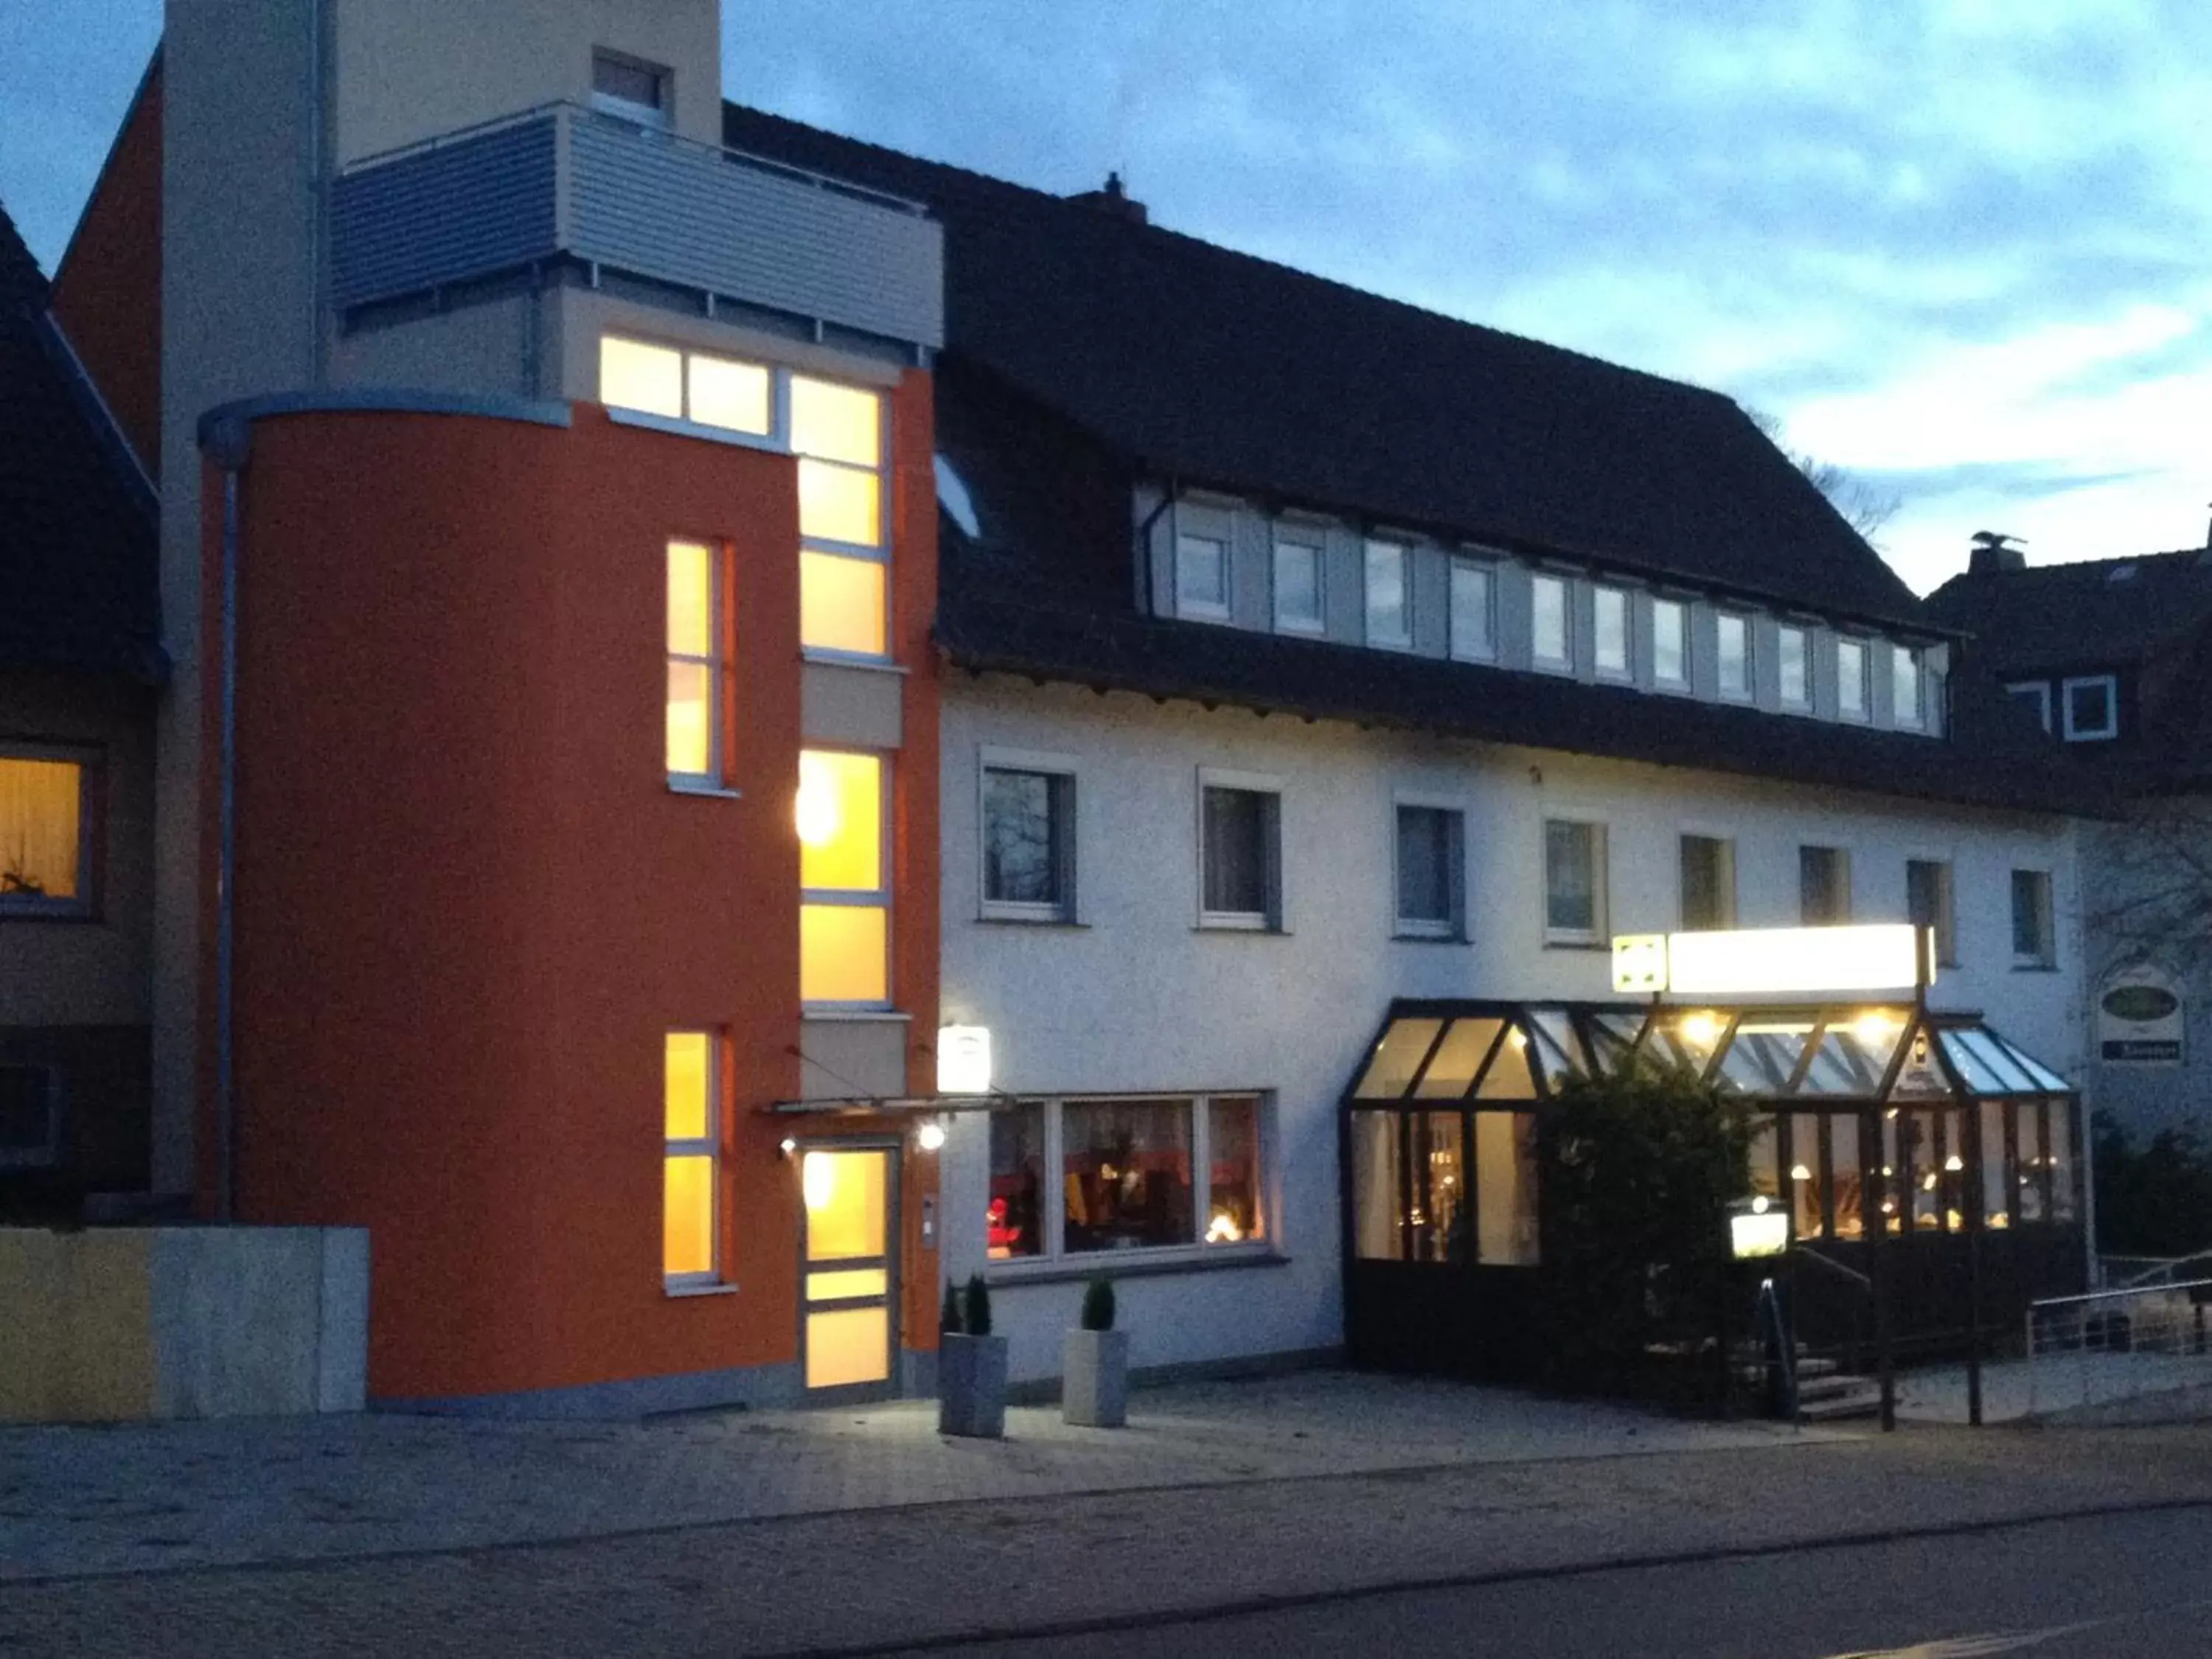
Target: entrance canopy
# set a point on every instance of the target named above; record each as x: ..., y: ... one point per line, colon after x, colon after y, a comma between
x: 1820, y: 1054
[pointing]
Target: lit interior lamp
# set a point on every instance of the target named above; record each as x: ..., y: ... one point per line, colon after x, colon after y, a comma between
x: 817, y: 812
x: 931, y: 1136
x: 1701, y: 1031
x: 1954, y: 1163
x: 1223, y: 1229
x: 1928, y: 1182
x: 1799, y: 1172
x: 817, y: 1180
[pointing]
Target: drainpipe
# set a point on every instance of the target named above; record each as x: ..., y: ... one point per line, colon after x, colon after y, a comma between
x: 1144, y: 545
x: 228, y: 442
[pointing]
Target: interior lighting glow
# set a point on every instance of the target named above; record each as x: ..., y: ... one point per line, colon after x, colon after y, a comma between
x: 817, y: 812
x: 1223, y: 1229
x: 818, y: 1181
x: 1799, y: 1172
x: 1875, y: 1029
x: 1954, y: 1163
x: 1701, y: 1031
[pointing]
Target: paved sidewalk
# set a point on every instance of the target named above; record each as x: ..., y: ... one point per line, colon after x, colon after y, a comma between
x: 82, y: 1501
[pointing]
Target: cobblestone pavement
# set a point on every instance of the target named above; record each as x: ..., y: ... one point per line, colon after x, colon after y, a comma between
x: 880, y: 1580
x: 75, y: 1501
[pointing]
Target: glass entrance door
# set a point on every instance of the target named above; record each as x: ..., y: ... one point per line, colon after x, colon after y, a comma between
x: 848, y: 1268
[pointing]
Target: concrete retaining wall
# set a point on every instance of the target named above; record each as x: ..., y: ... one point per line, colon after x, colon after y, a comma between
x: 110, y: 1325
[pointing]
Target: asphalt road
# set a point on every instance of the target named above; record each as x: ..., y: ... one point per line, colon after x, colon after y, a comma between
x: 2109, y: 1586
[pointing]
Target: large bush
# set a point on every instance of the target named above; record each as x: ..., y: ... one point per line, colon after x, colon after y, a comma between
x: 2155, y: 1199
x: 1645, y: 1163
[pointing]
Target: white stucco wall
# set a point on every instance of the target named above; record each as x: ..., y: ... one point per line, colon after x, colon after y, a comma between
x: 1138, y: 997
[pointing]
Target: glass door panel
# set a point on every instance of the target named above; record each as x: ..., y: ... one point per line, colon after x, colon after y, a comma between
x: 847, y: 1273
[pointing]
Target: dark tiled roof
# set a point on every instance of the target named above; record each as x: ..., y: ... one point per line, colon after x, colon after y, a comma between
x: 1222, y: 368
x: 79, y: 570
x: 2054, y: 618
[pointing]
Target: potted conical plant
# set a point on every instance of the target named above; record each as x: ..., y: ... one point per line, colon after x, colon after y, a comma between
x: 1094, y: 1390
x: 971, y: 1366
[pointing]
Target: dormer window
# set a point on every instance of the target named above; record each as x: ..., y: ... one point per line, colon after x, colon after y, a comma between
x: 1734, y: 634
x: 1551, y: 638
x: 1610, y: 624
x: 2092, y: 707
x: 1851, y: 679
x: 1202, y: 578
x: 633, y: 89
x: 1907, y: 710
x: 1793, y: 667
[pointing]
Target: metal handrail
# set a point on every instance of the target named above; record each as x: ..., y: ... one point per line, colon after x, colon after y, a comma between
x: 2116, y: 1294
x: 1853, y: 1274
x: 564, y: 108
x: 1769, y: 1312
x: 2151, y: 1277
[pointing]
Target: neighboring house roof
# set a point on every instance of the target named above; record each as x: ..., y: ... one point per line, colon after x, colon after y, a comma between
x: 2101, y: 614
x: 1226, y: 369
x: 1085, y: 352
x: 80, y: 579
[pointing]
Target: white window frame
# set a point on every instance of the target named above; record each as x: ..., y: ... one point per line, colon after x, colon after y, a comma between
x: 1453, y: 927
x: 778, y: 439
x: 1864, y: 710
x: 84, y: 905
x: 1276, y: 918
x: 1899, y: 657
x: 1195, y: 610
x: 1376, y: 547
x: 861, y: 898
x: 1053, y: 1260
x: 1601, y: 884
x: 1065, y: 796
x: 1486, y: 650
x: 2046, y: 890
x: 1311, y: 543
x: 2081, y: 733
x: 709, y: 1146
x: 1802, y: 702
x: 1947, y: 929
x: 1749, y: 693
x: 659, y: 115
x: 1680, y: 682
x: 2042, y: 690
x: 1564, y: 663
x: 1600, y: 592
x: 1699, y: 832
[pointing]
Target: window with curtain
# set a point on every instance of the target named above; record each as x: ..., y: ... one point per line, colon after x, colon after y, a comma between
x: 44, y: 850
x: 1429, y: 880
x: 695, y: 664
x: 1574, y: 882
x: 691, y: 1158
x: 1708, y: 873
x: 1240, y: 856
x: 844, y: 873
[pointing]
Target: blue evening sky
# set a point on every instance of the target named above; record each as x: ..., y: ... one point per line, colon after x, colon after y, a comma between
x: 1957, y: 245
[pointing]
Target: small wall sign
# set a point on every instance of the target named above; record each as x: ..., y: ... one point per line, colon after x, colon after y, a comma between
x: 2139, y: 1018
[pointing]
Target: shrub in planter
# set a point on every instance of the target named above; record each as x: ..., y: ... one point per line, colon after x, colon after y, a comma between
x: 971, y: 1366
x: 1094, y: 1390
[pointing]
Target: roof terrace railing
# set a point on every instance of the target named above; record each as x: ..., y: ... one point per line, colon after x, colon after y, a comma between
x: 564, y: 183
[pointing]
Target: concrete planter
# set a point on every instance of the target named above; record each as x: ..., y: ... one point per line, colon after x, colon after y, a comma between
x: 971, y: 1386
x: 1094, y: 1390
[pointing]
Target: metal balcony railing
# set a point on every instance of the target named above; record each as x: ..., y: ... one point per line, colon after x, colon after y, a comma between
x: 561, y: 182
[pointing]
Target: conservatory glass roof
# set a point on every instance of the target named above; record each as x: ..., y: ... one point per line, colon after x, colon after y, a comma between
x: 1429, y: 1053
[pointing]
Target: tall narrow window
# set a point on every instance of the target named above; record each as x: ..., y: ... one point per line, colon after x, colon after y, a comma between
x: 1574, y: 882
x: 1430, y: 905
x: 1389, y: 595
x: 1297, y: 586
x: 1609, y: 652
x: 836, y: 431
x: 690, y: 1156
x: 1551, y: 634
x: 1708, y: 884
x: 1670, y: 642
x: 1473, y: 612
x: 1928, y: 904
x: 1240, y: 856
x: 1202, y: 578
x: 1824, y: 885
x: 694, y: 663
x: 2034, y: 934
x: 1908, y: 694
x: 1733, y: 634
x: 1851, y: 679
x: 1029, y: 843
x: 844, y: 914
x: 45, y: 851
x: 1793, y: 667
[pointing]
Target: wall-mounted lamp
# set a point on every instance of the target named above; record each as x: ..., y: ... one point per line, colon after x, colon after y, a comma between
x: 931, y: 1136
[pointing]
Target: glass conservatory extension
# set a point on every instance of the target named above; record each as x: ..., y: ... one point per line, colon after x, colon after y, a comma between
x: 1933, y: 1122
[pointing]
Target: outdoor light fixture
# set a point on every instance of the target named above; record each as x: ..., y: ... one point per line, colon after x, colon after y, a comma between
x: 1756, y: 1228
x: 789, y: 1147
x: 1702, y: 1030
x: 931, y: 1136
x: 1767, y: 961
x: 964, y: 1060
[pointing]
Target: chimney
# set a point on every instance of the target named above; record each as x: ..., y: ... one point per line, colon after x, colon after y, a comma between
x: 1113, y: 200
x: 1995, y: 552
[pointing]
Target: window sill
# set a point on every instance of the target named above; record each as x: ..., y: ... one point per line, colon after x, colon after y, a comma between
x: 705, y: 791
x: 825, y: 657
x: 1577, y: 945
x: 2035, y: 966
x: 78, y: 917
x: 678, y: 428
x: 682, y: 1292
x: 1065, y: 924
x: 1256, y: 929
x: 857, y: 1016
x: 1134, y: 1264
x: 1404, y: 937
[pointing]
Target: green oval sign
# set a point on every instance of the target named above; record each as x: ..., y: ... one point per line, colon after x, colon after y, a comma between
x: 2142, y: 1005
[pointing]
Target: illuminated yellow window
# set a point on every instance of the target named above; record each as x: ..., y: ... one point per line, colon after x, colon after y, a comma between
x: 840, y: 822
x: 728, y: 393
x: 42, y: 849
x: 694, y: 661
x: 833, y: 422
x: 690, y: 1159
x: 844, y: 953
x: 840, y: 504
x: 841, y: 606
x: 645, y: 378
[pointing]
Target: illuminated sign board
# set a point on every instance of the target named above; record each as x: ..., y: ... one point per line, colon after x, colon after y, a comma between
x: 1770, y: 961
